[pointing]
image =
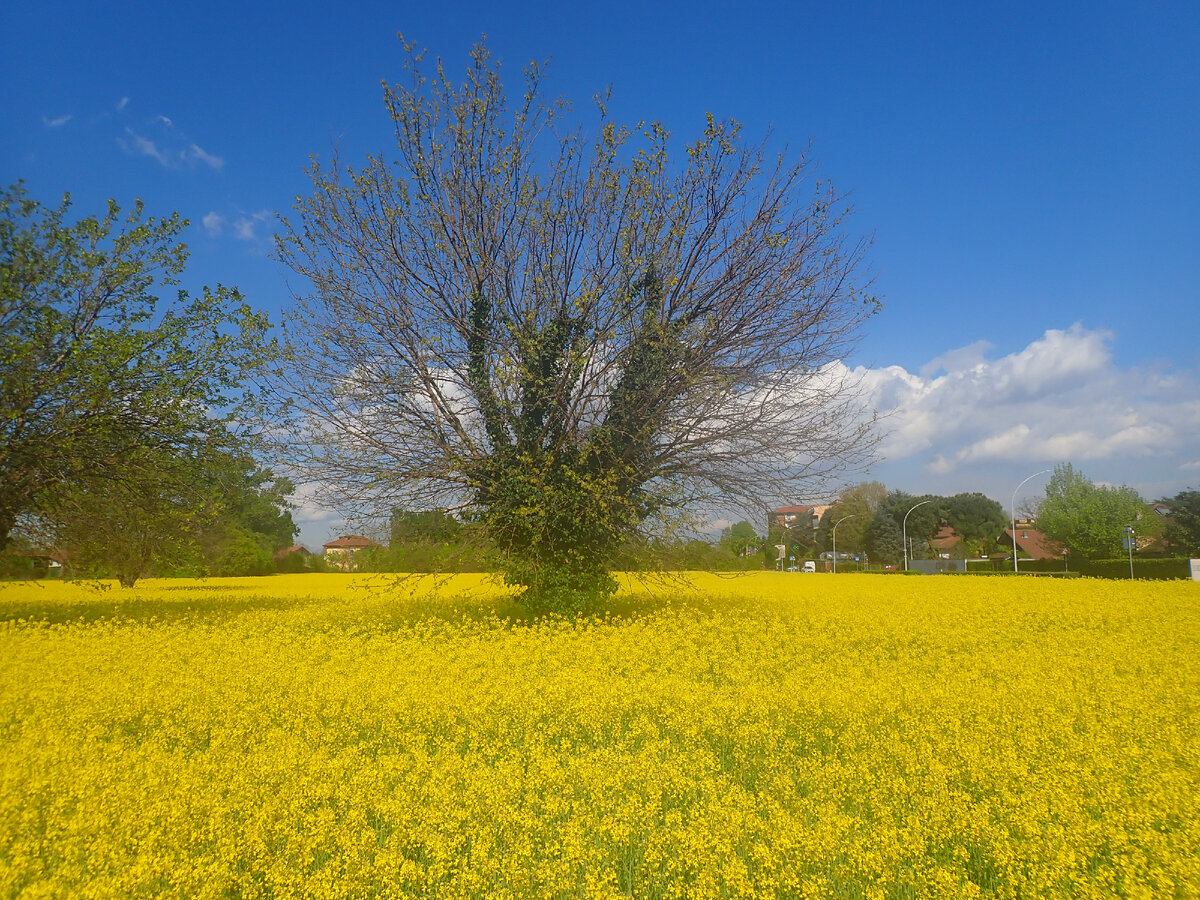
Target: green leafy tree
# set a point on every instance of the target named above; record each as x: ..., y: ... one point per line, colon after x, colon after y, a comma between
x: 95, y: 372
x: 922, y: 522
x: 243, y: 553
x: 165, y: 512
x: 884, y: 539
x: 798, y: 539
x: 979, y: 520
x: 861, y: 501
x: 740, y: 538
x: 253, y: 515
x: 582, y: 339
x: 1183, y: 531
x: 434, y: 525
x: 148, y: 518
x: 1090, y: 518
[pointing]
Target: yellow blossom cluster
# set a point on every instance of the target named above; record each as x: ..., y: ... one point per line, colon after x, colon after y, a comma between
x: 771, y: 735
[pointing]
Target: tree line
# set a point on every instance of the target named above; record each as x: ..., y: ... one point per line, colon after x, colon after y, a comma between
x: 1089, y: 520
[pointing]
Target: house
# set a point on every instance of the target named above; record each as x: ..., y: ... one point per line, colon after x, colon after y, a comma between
x: 792, y: 516
x: 280, y: 555
x: 340, y: 552
x: 38, y: 562
x: 1033, y: 543
x: 944, y: 542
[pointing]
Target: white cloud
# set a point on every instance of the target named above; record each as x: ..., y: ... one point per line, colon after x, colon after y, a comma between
x: 966, y: 417
x: 213, y: 162
x: 968, y: 357
x: 310, y: 505
x: 1193, y: 466
x: 241, y: 226
x: 56, y: 122
x: 143, y: 145
x: 318, y: 522
x: 122, y: 103
x: 244, y: 229
x: 213, y: 222
x: 159, y: 139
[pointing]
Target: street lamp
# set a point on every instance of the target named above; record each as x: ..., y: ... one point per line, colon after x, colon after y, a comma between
x: 835, y: 525
x: 904, y: 532
x: 1013, y: 511
x: 784, y: 537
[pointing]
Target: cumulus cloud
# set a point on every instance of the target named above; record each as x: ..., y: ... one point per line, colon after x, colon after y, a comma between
x: 1061, y: 398
x: 968, y: 357
x: 310, y: 504
x: 57, y: 122
x: 318, y: 521
x: 122, y: 103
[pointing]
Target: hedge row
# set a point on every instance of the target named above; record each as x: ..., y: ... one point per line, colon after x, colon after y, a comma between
x: 1155, y: 569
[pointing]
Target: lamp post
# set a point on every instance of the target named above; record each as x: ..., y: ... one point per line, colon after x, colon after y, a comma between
x: 835, y: 525
x: 904, y: 532
x: 1012, y: 509
x: 786, y: 529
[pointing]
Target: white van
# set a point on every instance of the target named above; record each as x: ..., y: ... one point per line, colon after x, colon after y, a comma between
x: 809, y: 566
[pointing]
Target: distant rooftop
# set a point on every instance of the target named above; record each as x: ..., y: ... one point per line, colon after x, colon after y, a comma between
x: 350, y: 542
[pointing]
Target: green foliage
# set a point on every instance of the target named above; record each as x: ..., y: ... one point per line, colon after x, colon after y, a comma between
x: 1089, y: 518
x: 429, y: 541
x: 558, y: 522
x: 1155, y: 569
x: 244, y: 553
x: 170, y: 513
x: 860, y: 501
x: 251, y: 519
x: 294, y: 563
x: 1183, y: 530
x: 150, y: 513
x: 740, y: 538
x: 977, y: 519
x: 436, y: 525
x: 96, y: 376
x: 17, y: 566
x: 255, y: 501
x: 917, y: 519
x: 884, y: 539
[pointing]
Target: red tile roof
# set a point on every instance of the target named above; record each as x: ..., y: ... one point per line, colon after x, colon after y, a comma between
x: 350, y: 542
x: 946, y: 538
x: 1036, y: 544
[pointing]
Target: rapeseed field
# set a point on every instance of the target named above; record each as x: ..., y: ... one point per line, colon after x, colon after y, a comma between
x: 761, y: 736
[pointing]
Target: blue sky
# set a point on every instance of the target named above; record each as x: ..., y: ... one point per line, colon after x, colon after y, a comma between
x: 1030, y: 173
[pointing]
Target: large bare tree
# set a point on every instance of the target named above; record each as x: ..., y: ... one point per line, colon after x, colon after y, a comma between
x: 572, y: 334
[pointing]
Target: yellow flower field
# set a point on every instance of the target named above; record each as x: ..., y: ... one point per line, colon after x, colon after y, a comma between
x: 769, y: 735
